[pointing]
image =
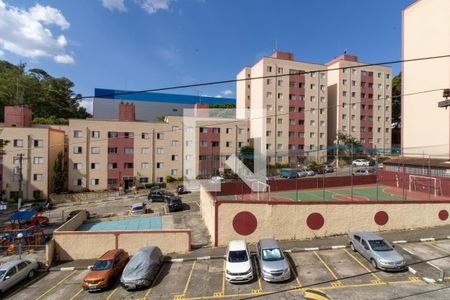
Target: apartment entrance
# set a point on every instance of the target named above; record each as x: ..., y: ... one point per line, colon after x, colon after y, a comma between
x: 127, y: 183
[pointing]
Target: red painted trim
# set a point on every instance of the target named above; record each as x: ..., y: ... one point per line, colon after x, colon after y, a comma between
x: 334, y: 202
x: 216, y: 222
x: 120, y: 232
x: 402, y: 100
x: 116, y: 235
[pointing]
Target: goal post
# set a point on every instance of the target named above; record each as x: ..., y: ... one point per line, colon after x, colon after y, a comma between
x: 260, y: 190
x: 418, y: 183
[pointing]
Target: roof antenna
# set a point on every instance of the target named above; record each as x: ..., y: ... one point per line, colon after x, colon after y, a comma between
x: 346, y: 50
x: 276, y: 44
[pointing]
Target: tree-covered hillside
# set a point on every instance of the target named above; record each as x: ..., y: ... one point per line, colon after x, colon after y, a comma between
x: 47, y: 96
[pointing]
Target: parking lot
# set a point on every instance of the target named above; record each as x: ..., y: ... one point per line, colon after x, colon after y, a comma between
x: 340, y: 273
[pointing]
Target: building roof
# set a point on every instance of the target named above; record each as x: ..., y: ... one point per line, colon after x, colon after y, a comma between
x: 419, y: 162
x: 158, y: 97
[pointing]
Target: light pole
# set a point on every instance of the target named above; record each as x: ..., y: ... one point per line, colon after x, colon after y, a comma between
x: 20, y: 236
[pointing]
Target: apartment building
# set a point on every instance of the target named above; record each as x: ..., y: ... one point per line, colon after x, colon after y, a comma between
x: 294, y: 94
x: 426, y: 33
x: 120, y: 153
x: 359, y: 102
x: 39, y: 146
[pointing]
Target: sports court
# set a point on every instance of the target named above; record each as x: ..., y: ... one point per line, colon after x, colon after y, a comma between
x: 357, y: 193
x: 152, y: 223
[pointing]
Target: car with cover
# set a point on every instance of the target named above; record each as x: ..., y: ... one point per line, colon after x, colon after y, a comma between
x: 141, y: 270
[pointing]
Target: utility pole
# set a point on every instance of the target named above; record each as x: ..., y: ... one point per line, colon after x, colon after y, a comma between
x: 19, y: 202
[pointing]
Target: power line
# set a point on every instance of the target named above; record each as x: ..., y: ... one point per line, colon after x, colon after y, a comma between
x: 263, y: 77
x: 238, y: 120
x: 339, y: 279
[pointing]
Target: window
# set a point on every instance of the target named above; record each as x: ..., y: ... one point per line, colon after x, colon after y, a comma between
x: 312, y: 74
x: 279, y: 133
x: 188, y: 143
x: 269, y: 69
x: 301, y: 85
x: 344, y: 93
x: 144, y: 165
x: 95, y: 150
x: 128, y: 165
x: 353, y: 94
x: 95, y: 181
x: 353, y: 129
x: 203, y: 130
x: 353, y: 83
x: 388, y: 76
x: 112, y: 150
x: 240, y: 144
x: 174, y: 172
x: 280, y: 146
x: 160, y: 136
x: 344, y: 105
x: 77, y: 182
x: 321, y: 135
x: 228, y: 144
x: 268, y: 133
x: 215, y: 144
x: 321, y: 111
x: 312, y: 123
x: 268, y: 81
x: 37, y: 177
x: 174, y: 157
x: 77, y: 133
x: 216, y: 130
x: 312, y: 135
x: 313, y: 110
x: 301, y: 98
x: 77, y: 166
x: 189, y: 129
x: 323, y: 75
x: 175, y: 143
x: 301, y: 135
x: 203, y: 144
x: 280, y: 95
x: 322, y: 99
x: 11, y: 272
x: 354, y: 117
x: 241, y: 130
x: 280, y: 70
x: 128, y: 150
x: 159, y: 165
x: 387, y: 108
x: 280, y: 82
x: 95, y: 134
x: 269, y: 120
x: 280, y: 121
x: 77, y: 150
x: 280, y: 108
x: 128, y: 135
x: 268, y: 146
x: 113, y: 134
x: 38, y: 143
x: 322, y: 123
x: 112, y: 166
x: 175, y: 128
x: 291, y: 109
x: 312, y: 86
x: 269, y: 107
x: 388, y: 86
x: 269, y: 94
x: 143, y: 180
x: 145, y: 150
x: 37, y: 160
x: 159, y: 150
x: 312, y: 99
x: 229, y: 130
x: 344, y: 81
x: 95, y: 166
x: 145, y: 136
x: 18, y: 143
x: 353, y: 106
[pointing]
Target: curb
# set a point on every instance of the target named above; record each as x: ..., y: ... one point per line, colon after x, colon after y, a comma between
x: 70, y: 268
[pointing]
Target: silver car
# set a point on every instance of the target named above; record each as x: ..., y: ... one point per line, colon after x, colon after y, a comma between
x: 272, y: 262
x: 376, y: 250
x: 15, y: 271
x: 138, y: 208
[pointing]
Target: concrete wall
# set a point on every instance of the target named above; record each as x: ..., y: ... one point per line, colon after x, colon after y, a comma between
x: 294, y: 220
x: 50, y: 252
x: 73, y: 223
x: 207, y: 208
x: 74, y: 245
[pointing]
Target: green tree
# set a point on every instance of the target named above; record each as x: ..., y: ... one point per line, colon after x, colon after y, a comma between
x: 396, y: 99
x: 349, y: 146
x: 247, y: 154
x: 47, y: 96
x: 59, y: 175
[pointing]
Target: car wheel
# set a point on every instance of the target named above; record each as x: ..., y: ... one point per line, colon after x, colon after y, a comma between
x: 31, y: 274
x: 352, y: 247
x: 374, y: 263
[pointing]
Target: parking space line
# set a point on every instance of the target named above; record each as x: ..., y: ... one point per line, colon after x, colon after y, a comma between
x: 439, y: 248
x: 338, y: 282
x: 197, y: 202
x: 187, y: 283
x: 112, y: 293
x: 153, y: 283
x: 257, y: 276
x: 294, y: 269
x: 74, y: 296
x: 56, y: 285
x: 222, y: 292
x: 364, y: 267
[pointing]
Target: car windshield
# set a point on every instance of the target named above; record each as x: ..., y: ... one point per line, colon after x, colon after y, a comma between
x: 101, y: 265
x: 176, y: 201
x: 137, y: 208
x: 272, y: 254
x: 379, y: 245
x: 237, y: 256
x: 2, y: 273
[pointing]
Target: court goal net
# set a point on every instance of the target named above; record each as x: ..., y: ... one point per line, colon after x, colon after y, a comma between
x: 260, y: 190
x: 425, y: 184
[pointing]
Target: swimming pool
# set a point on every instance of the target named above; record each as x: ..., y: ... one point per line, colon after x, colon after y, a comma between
x: 151, y: 223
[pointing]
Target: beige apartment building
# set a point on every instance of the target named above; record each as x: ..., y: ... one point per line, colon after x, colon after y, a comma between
x: 426, y: 33
x: 295, y: 103
x: 39, y: 146
x: 359, y: 102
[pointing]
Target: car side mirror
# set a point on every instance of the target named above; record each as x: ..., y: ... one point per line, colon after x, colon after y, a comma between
x: 7, y: 277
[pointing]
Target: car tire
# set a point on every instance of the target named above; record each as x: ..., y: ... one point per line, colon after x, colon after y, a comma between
x: 374, y: 263
x: 352, y: 247
x: 31, y: 274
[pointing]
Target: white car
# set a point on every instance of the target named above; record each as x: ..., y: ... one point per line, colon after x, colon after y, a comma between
x: 15, y: 271
x: 138, y: 208
x: 360, y: 163
x: 217, y: 179
x: 238, y: 264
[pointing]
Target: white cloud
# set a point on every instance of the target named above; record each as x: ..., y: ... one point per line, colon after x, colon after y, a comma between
x: 152, y: 6
x: 88, y: 104
x: 112, y: 5
x: 170, y: 55
x: 29, y: 33
x: 218, y: 96
x: 227, y: 93
x: 64, y: 59
x: 2, y: 53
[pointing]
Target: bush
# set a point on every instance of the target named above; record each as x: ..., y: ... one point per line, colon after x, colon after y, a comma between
x: 180, y: 178
x: 152, y: 184
x: 170, y: 179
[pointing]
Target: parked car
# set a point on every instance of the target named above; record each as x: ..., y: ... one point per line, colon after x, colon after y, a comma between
x: 302, y: 173
x: 37, y: 206
x: 159, y: 196
x: 15, y: 271
x: 238, y: 263
x: 309, y: 171
x: 181, y: 189
x: 272, y: 262
x: 142, y: 268
x: 328, y: 168
x: 138, y: 208
x: 288, y: 173
x: 217, y: 179
x: 360, y: 163
x: 73, y: 213
x: 105, y: 270
x: 375, y: 249
x: 174, y: 203
x: 366, y: 171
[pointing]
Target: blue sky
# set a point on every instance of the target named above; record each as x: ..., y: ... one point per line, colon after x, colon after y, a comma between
x: 142, y: 44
